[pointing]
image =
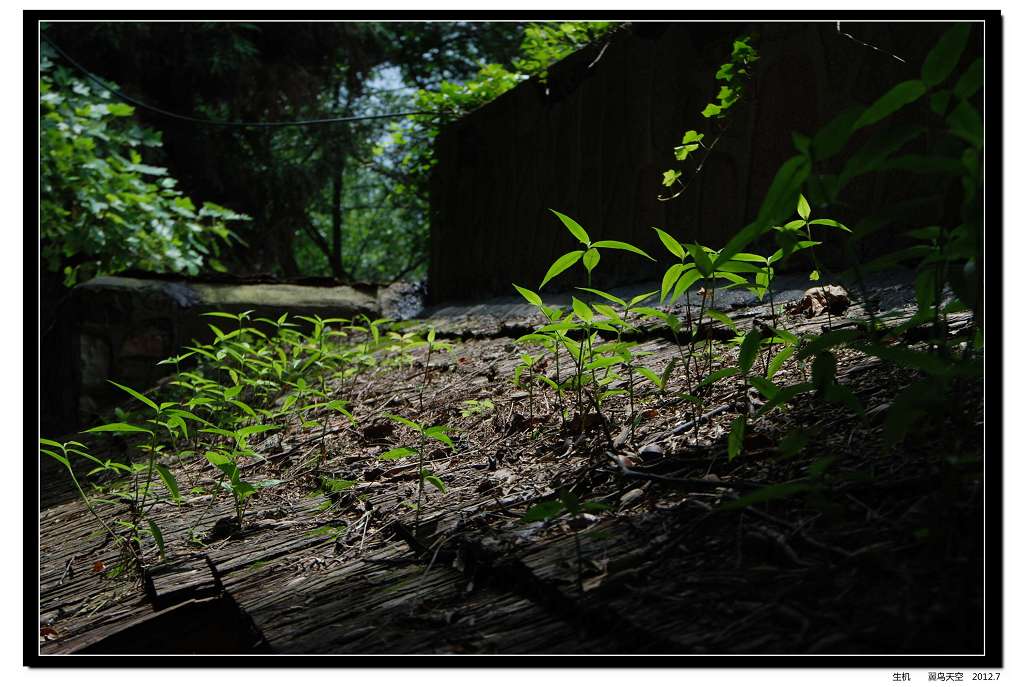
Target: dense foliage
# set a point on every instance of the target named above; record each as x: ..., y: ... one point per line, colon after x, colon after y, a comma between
x: 259, y: 376
x: 347, y: 199
x: 103, y: 208
x: 411, y: 144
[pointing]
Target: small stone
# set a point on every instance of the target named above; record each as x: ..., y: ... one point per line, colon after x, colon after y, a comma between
x: 652, y: 451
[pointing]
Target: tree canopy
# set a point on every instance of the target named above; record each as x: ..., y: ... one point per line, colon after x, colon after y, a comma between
x: 346, y: 199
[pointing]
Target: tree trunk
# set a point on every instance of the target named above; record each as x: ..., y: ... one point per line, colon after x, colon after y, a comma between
x: 337, y: 266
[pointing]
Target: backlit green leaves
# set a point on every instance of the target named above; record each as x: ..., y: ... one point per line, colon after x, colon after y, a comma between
x: 561, y: 265
x: 691, y: 142
x: 733, y: 74
x: 531, y: 297
x: 621, y: 245
x: 700, y: 258
x: 397, y: 453
x: 673, y: 246
x: 137, y: 395
x: 590, y: 254
x: 118, y: 427
x: 574, y: 228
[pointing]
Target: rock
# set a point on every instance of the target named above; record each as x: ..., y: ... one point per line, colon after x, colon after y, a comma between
x: 652, y: 451
x: 819, y: 300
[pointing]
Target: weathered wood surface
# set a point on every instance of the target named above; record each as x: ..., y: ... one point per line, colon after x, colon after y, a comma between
x: 664, y: 573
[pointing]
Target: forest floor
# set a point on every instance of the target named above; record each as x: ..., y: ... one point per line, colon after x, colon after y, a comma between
x: 863, y: 547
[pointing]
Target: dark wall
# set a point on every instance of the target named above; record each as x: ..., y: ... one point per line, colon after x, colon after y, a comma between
x: 593, y: 143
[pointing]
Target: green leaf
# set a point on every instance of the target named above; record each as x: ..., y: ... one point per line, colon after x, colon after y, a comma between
x: 944, y: 57
x: 640, y: 298
x: 574, y: 228
x: 439, y: 433
x: 651, y: 375
x: 766, y: 388
x: 823, y: 370
x: 224, y: 464
x: 119, y: 427
x: 603, y: 362
x: 736, y: 433
x: 158, y: 537
x: 838, y: 393
x: 333, y: 485
x: 562, y: 264
x: 622, y: 245
x: 242, y: 490
x: 873, y: 155
x: 815, y: 275
x: 803, y: 208
x: 604, y: 295
x: 670, y: 279
x: 531, y: 297
x: 582, y: 310
x: 407, y: 422
x: 971, y: 81
x: 610, y: 313
x: 748, y: 350
x: 544, y: 511
x: 721, y: 317
x: 741, y: 240
x: 711, y: 110
x: 591, y: 258
x: 829, y: 223
x: 802, y: 143
x: 719, y: 375
x: 898, y: 96
x: 700, y: 258
x: 673, y: 246
x: 396, y: 453
x: 60, y: 459
x: 939, y: 102
x: 137, y: 395
x: 965, y: 122
x: 436, y: 481
x: 670, y: 177
x: 784, y: 395
x: 254, y: 429
x: 169, y: 481
x: 685, y: 282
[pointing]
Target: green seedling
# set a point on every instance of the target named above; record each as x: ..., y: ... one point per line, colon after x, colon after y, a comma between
x: 436, y: 433
x: 590, y: 254
x: 474, y: 407
x: 62, y: 455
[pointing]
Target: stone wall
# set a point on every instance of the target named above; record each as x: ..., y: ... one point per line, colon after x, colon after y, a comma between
x: 119, y: 328
x: 594, y: 140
